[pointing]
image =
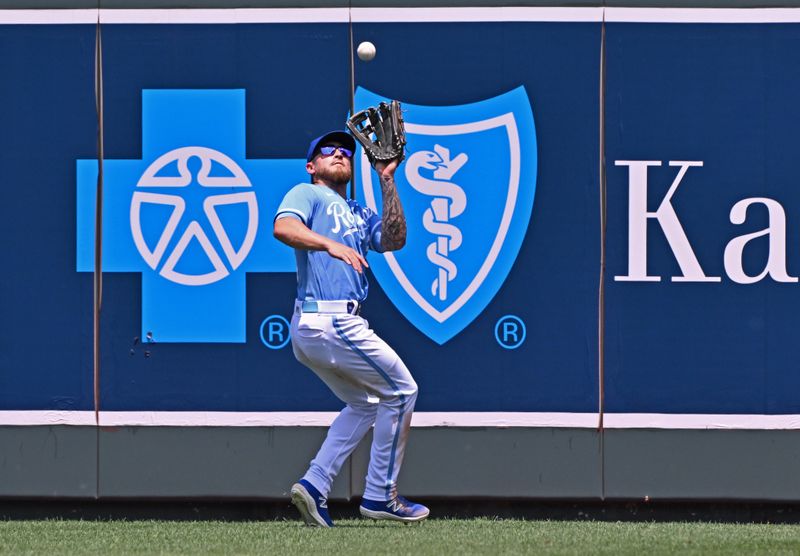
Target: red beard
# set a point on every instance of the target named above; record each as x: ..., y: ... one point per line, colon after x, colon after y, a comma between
x: 334, y: 174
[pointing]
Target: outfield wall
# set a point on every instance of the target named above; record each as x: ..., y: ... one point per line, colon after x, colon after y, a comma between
x: 601, y: 307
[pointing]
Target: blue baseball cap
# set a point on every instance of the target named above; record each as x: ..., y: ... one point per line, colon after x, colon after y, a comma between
x: 342, y: 137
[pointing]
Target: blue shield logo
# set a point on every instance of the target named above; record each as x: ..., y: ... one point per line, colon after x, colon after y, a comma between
x: 467, y: 187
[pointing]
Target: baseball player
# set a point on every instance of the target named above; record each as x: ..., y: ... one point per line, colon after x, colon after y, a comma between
x: 331, y: 236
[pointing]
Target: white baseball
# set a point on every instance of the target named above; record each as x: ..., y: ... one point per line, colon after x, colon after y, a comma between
x: 366, y: 51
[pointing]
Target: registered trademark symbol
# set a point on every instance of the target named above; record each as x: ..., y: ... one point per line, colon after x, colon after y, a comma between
x: 510, y: 332
x: 274, y: 332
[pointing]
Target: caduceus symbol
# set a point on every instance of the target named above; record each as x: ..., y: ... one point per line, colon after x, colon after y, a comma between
x: 449, y: 201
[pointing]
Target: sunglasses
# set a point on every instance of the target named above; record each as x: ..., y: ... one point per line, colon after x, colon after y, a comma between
x: 329, y: 150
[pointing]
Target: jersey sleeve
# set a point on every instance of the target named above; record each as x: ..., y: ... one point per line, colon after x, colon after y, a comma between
x: 374, y: 228
x: 298, y: 203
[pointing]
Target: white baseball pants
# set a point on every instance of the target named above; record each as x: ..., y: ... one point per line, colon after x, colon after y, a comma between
x: 366, y: 374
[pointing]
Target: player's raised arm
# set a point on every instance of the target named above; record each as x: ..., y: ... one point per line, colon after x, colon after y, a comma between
x: 393, y: 233
x: 381, y: 132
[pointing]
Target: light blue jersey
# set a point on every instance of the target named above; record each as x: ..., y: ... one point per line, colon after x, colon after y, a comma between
x: 321, y: 277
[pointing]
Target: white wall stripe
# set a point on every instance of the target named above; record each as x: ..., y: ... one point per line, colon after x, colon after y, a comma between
x: 216, y: 419
x: 240, y: 15
x: 462, y: 15
x: 45, y: 17
x: 702, y: 15
x: 175, y: 16
x: 47, y: 417
x: 402, y: 15
x: 420, y: 419
x: 503, y: 420
x: 699, y: 421
x: 324, y: 419
x: 299, y: 15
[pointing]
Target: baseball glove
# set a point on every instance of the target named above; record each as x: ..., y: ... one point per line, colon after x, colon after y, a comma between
x: 380, y: 131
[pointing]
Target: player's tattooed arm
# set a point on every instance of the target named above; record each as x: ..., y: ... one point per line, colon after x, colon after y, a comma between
x: 393, y: 233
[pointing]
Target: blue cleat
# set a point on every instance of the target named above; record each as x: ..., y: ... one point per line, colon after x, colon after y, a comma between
x: 313, y: 507
x: 398, y: 509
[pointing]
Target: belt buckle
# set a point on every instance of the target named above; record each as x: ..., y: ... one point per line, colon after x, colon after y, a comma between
x: 353, y: 307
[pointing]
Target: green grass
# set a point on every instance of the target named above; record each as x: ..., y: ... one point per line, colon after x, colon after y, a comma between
x: 436, y: 536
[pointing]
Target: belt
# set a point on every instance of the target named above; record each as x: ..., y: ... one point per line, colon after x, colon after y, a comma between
x: 351, y: 307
